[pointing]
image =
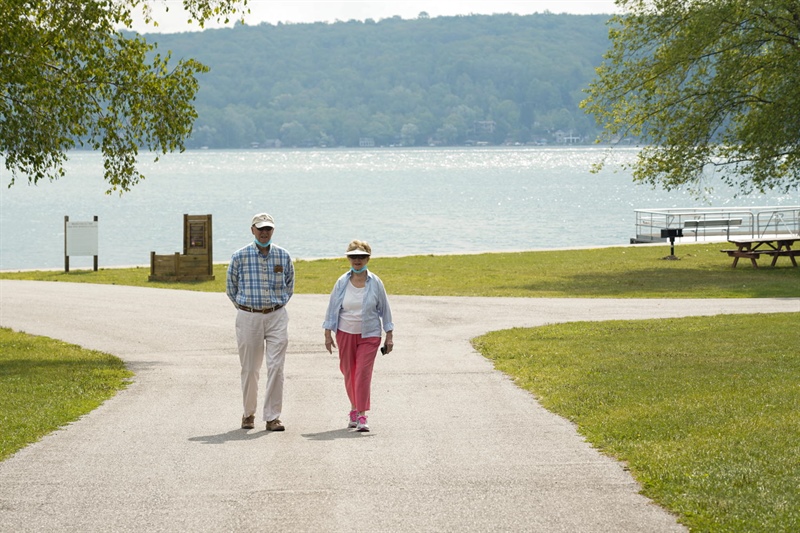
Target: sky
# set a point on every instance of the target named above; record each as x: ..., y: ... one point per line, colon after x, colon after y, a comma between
x: 301, y: 11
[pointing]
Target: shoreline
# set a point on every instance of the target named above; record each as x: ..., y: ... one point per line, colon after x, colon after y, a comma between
x: 296, y: 259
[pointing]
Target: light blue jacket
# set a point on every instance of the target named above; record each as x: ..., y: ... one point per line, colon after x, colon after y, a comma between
x: 374, y: 308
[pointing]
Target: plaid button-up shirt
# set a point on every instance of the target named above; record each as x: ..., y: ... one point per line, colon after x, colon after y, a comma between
x: 259, y: 281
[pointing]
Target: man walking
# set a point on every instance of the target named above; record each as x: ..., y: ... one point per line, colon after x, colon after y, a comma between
x: 260, y: 283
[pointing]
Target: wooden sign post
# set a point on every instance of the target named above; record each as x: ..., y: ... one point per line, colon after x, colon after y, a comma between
x: 197, y: 261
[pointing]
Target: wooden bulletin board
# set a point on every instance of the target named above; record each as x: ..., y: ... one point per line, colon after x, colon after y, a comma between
x: 197, y: 261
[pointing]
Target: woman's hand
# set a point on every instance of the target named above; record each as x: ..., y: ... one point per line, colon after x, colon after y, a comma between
x: 329, y: 344
x: 389, y: 344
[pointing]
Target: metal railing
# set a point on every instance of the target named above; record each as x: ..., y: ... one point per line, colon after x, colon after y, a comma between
x: 707, y: 223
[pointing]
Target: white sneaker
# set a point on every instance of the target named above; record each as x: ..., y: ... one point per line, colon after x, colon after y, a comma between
x: 353, y: 421
x: 362, y: 424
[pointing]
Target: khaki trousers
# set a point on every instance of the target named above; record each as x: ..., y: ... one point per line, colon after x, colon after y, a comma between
x: 257, y: 334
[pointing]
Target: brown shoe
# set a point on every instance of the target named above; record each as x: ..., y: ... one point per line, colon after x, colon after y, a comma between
x: 275, y: 425
x: 248, y: 422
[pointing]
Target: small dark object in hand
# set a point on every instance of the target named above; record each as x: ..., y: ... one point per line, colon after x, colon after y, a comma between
x: 383, y: 350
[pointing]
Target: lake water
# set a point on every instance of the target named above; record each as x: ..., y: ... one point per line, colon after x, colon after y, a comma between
x: 403, y: 201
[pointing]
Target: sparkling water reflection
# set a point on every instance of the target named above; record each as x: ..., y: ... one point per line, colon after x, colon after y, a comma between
x: 404, y: 201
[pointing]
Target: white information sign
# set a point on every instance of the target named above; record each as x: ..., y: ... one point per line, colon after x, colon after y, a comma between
x: 81, y: 238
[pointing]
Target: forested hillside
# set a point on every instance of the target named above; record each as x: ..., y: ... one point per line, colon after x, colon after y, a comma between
x: 447, y: 80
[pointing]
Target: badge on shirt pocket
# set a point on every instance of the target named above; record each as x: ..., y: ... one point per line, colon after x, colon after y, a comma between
x: 278, y: 269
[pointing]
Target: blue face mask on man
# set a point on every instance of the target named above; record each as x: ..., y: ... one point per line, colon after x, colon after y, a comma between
x: 262, y: 245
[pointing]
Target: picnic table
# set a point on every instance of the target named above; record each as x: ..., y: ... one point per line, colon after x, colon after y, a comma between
x: 754, y: 248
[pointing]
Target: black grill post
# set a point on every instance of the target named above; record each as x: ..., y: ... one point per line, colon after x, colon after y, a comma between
x: 671, y: 233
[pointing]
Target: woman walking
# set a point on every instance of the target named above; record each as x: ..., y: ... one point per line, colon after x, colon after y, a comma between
x: 357, y: 311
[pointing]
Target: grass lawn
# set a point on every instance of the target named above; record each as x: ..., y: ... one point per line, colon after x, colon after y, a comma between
x: 618, y: 272
x: 45, y: 384
x: 708, y: 425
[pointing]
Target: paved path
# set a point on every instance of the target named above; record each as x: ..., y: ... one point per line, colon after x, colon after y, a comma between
x: 455, y: 445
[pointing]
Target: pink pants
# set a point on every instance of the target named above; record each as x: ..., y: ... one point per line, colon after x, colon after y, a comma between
x: 356, y: 360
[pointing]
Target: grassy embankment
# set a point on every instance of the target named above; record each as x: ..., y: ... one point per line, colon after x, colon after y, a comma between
x: 46, y: 384
x: 705, y: 411
x: 622, y: 272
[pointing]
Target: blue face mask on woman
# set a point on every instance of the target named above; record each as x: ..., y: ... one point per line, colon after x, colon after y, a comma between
x: 359, y: 271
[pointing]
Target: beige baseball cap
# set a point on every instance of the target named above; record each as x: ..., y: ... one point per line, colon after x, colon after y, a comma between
x: 262, y: 220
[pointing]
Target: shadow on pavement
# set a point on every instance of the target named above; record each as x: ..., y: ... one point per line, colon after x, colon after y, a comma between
x: 334, y: 434
x: 235, y: 434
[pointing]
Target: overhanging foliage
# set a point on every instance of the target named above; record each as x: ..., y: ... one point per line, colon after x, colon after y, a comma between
x: 708, y: 86
x: 68, y: 78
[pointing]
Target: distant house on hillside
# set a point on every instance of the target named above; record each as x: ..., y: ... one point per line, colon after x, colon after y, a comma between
x: 366, y: 142
x: 484, y: 126
x: 566, y: 138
